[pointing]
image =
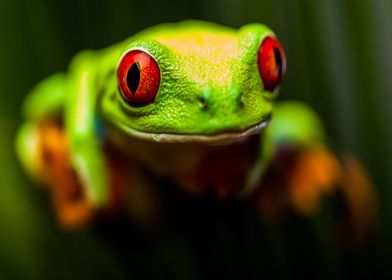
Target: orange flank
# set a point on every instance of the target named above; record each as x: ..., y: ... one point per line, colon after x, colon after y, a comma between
x: 301, y: 178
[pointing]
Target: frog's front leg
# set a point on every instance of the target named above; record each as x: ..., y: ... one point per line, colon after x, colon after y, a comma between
x: 85, y: 146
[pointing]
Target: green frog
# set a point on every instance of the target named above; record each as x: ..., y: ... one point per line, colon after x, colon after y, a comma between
x: 192, y: 102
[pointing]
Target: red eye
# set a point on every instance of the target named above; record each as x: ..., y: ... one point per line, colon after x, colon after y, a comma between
x: 272, y: 63
x: 138, y: 77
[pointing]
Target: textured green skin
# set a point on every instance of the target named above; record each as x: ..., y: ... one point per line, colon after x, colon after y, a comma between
x: 206, y: 88
x: 239, y: 102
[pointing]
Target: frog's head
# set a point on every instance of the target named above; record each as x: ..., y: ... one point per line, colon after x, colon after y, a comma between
x: 196, y: 82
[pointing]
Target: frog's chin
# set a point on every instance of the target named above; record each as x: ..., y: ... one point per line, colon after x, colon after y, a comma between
x: 222, y: 138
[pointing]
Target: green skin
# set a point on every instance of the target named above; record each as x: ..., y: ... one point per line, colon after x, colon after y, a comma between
x: 210, y: 92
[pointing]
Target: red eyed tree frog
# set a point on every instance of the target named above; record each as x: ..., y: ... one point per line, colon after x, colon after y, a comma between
x: 190, y: 101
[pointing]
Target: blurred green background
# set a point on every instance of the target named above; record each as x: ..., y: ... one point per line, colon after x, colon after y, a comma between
x: 339, y: 56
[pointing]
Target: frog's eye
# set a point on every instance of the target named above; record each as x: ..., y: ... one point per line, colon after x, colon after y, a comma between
x: 272, y: 63
x: 138, y: 78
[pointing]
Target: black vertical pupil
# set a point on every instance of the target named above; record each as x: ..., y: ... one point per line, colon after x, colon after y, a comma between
x: 278, y: 61
x: 133, y: 77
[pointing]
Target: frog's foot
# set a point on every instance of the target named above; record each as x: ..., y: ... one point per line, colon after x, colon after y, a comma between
x: 301, y: 178
x: 298, y: 178
x: 71, y: 206
x: 44, y: 152
x: 315, y: 174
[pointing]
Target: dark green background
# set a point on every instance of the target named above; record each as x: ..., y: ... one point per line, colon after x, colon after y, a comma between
x: 339, y: 61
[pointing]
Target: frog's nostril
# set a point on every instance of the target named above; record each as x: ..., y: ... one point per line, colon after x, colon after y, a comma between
x: 202, y: 101
x: 240, y: 103
x: 237, y: 99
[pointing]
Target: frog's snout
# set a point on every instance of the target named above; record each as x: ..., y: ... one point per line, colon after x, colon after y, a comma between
x: 213, y: 99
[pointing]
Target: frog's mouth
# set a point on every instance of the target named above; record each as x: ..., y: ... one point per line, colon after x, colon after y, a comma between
x: 222, y: 138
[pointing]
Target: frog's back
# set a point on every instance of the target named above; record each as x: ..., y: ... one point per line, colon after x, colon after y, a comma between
x: 192, y: 38
x: 185, y: 30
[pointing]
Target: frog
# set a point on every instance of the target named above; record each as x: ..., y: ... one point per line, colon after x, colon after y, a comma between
x: 193, y: 102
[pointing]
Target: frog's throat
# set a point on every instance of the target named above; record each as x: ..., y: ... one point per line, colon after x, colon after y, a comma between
x: 211, y: 139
